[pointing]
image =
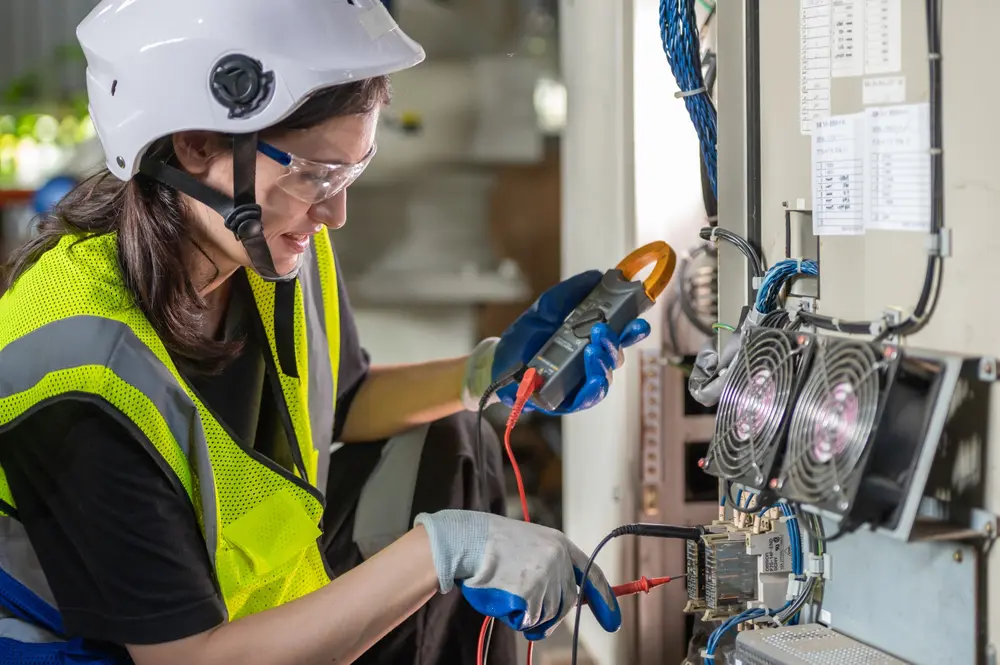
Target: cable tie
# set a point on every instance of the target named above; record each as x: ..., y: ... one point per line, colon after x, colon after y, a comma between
x: 798, y: 266
x: 933, y: 56
x: 714, y: 234
x: 713, y: 218
x: 836, y: 325
x: 936, y: 151
x: 690, y: 93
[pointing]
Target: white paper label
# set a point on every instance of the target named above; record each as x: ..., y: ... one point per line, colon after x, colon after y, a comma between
x: 848, y: 32
x: 825, y: 618
x: 838, y: 175
x: 883, y: 36
x: 898, y: 168
x: 814, y: 62
x: 883, y: 90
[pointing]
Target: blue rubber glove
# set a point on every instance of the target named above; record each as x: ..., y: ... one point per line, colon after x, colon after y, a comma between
x: 525, y: 575
x: 526, y: 336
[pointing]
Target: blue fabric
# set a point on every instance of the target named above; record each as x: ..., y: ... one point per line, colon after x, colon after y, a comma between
x: 526, y: 336
x: 26, y: 605
x: 73, y: 652
x: 51, y: 193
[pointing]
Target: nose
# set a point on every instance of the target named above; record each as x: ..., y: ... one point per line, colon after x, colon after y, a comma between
x: 331, y: 213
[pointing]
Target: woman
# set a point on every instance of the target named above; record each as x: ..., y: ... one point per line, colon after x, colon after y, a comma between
x: 169, y: 363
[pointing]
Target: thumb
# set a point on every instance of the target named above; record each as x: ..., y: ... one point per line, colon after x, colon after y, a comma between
x: 597, y: 593
x: 635, y: 332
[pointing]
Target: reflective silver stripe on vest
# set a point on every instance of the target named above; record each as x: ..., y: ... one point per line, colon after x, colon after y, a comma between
x: 320, y: 387
x: 78, y: 341
x: 17, y: 559
x: 386, y: 501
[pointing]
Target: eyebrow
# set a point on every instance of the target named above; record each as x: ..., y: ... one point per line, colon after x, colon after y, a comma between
x: 340, y: 162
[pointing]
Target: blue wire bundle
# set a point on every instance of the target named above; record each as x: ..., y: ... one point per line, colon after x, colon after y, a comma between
x: 776, y: 277
x: 682, y: 45
x: 732, y: 622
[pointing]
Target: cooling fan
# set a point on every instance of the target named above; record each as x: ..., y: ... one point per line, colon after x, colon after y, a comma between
x: 832, y: 423
x: 756, y: 404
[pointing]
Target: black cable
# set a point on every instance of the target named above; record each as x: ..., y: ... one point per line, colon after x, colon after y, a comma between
x: 635, y: 529
x: 749, y: 251
x: 818, y: 532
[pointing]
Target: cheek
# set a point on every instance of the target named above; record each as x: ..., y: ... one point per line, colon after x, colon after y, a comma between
x: 279, y: 208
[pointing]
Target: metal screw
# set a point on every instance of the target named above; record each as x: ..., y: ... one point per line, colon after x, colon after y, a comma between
x: 988, y: 529
x: 759, y: 478
x: 957, y: 556
x: 121, y: 162
x: 843, y: 504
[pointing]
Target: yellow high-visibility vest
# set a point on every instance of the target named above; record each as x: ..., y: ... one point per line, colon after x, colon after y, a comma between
x: 68, y: 328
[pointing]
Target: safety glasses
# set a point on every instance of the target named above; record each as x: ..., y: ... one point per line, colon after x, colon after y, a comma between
x: 314, y: 182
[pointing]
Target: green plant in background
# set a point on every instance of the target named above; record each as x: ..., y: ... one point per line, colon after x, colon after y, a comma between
x: 40, y: 121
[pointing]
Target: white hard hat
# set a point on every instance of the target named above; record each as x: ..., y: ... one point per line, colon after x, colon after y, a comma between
x: 156, y: 67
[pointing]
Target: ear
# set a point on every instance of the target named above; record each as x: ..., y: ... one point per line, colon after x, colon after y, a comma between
x: 195, y: 150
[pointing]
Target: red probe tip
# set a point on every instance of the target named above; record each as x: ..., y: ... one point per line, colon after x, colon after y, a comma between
x: 641, y: 585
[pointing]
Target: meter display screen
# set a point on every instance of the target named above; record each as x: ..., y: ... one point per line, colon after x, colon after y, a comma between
x: 556, y: 353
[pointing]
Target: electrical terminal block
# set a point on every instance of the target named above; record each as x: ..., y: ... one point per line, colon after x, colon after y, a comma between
x: 730, y: 572
x: 774, y: 565
x: 695, y: 571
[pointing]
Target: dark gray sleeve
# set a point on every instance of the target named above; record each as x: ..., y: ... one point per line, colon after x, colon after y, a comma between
x: 354, y: 360
x: 115, y: 534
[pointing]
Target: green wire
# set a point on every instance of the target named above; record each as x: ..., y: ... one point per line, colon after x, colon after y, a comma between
x: 707, y: 6
x: 723, y: 326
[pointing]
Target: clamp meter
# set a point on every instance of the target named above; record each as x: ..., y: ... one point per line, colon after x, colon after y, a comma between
x: 615, y: 301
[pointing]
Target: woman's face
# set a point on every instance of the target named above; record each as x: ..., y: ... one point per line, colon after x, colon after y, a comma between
x: 289, y: 221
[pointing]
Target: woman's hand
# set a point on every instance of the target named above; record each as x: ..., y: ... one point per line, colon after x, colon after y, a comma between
x: 525, y: 575
x: 529, y: 333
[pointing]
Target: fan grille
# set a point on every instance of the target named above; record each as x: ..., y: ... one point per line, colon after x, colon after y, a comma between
x: 832, y: 422
x: 752, y: 406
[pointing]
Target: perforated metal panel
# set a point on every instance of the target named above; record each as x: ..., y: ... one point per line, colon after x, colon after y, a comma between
x: 810, y: 644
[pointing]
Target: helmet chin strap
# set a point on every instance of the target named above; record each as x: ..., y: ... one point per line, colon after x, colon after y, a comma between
x: 241, y: 213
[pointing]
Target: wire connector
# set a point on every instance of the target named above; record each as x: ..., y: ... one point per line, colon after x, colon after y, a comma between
x: 795, y: 586
x: 939, y: 243
x: 815, y: 565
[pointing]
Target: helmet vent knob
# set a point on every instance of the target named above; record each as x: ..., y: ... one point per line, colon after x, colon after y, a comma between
x: 241, y: 85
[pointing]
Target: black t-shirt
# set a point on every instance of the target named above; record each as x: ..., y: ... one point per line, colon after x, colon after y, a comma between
x: 114, y: 531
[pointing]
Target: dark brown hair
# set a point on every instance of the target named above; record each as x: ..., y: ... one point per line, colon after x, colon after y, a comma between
x: 154, y: 234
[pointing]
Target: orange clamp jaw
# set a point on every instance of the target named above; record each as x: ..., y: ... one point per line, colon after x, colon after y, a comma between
x: 666, y: 261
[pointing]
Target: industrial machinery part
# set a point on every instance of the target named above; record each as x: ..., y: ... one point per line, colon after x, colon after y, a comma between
x: 730, y: 573
x: 732, y: 566
x: 756, y: 404
x: 809, y: 644
x: 878, y: 429
x: 833, y: 421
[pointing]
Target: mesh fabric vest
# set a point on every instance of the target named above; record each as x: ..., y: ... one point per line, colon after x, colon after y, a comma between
x: 68, y: 329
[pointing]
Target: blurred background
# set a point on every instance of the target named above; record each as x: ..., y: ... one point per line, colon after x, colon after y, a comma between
x: 507, y: 161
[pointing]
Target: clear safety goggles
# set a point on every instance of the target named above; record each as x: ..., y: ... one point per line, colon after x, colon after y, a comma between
x: 314, y: 182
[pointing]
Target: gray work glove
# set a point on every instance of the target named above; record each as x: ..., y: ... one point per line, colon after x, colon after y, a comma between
x: 525, y: 575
